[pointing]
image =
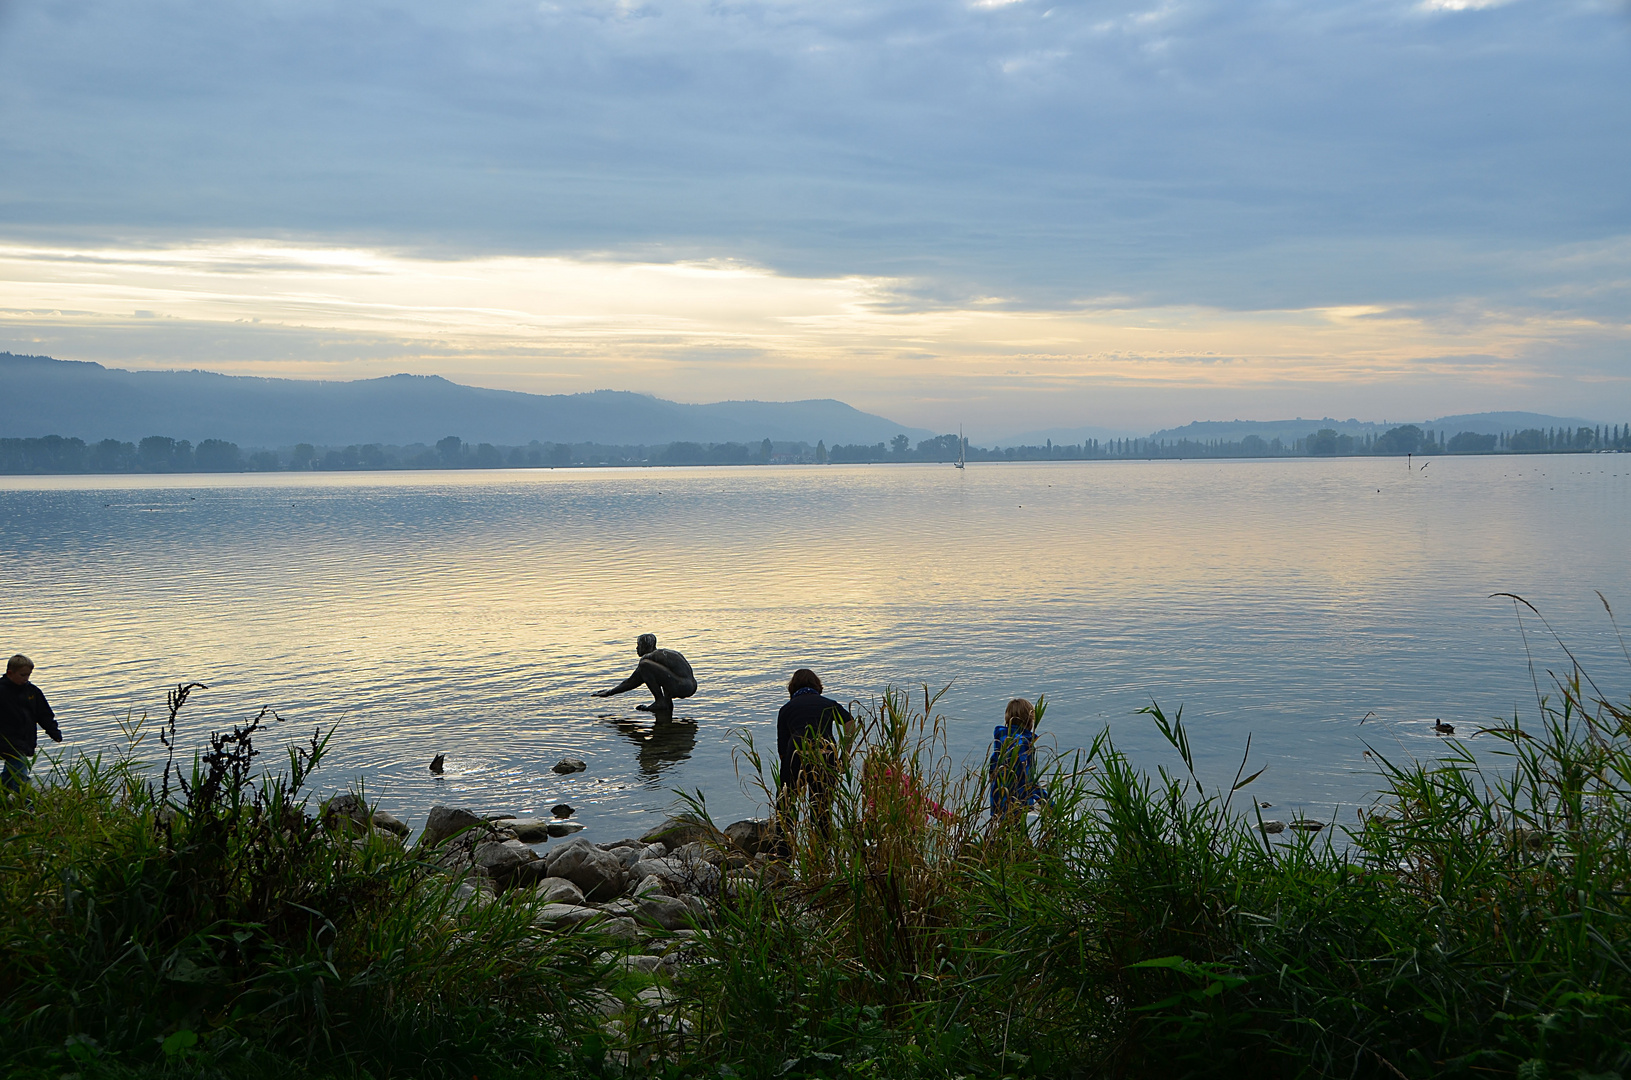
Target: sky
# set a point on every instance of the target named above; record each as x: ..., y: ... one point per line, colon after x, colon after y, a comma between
x: 1005, y: 214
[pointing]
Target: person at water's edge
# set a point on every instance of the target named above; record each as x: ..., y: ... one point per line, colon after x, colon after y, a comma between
x: 804, y: 727
x: 23, y: 709
x: 664, y: 672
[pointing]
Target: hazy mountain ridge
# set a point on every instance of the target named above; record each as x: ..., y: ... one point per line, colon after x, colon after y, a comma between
x: 75, y: 398
x: 45, y: 396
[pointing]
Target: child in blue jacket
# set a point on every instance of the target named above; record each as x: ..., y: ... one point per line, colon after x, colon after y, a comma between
x: 1013, y: 762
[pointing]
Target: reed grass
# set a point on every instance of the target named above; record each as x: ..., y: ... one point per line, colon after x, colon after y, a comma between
x: 217, y: 922
x: 1470, y: 923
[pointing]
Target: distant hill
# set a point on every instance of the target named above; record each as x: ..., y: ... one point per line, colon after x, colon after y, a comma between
x: 1494, y: 423
x: 42, y: 396
x: 1289, y: 431
x: 1061, y: 436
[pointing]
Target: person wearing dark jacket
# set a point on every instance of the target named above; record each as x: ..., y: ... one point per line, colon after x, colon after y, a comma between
x: 23, y: 710
x: 804, y: 727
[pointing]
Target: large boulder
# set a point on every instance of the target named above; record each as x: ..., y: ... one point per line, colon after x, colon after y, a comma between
x: 562, y: 915
x: 652, y: 886
x: 641, y: 965
x: 500, y: 859
x: 752, y: 835
x: 669, y: 870
x: 390, y: 823
x: 345, y: 808
x: 678, y: 875
x: 667, y: 912
x: 699, y: 852
x: 628, y: 856
x: 598, y: 873
x: 556, y: 890
x: 446, y: 821
x: 624, y: 928
x: 529, y: 874
x: 676, y: 831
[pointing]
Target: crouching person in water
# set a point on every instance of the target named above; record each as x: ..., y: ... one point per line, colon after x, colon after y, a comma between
x: 23, y: 710
x: 1014, y: 790
x: 806, y: 745
x: 664, y: 672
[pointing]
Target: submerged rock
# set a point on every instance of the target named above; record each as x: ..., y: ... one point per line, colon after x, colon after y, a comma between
x: 562, y: 828
x: 561, y: 810
x: 570, y: 765
x: 1271, y: 826
x: 531, y: 832
x: 1307, y: 825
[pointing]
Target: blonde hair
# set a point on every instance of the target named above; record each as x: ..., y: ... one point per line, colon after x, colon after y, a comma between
x: 1020, y: 714
x: 19, y: 661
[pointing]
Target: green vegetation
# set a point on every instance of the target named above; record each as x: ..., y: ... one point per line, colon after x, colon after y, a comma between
x: 207, y: 924
x: 1469, y: 923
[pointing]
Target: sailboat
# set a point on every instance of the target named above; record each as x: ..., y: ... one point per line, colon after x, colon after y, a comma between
x: 960, y: 462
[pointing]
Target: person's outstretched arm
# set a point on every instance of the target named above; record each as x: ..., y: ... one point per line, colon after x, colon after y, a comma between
x: 625, y: 686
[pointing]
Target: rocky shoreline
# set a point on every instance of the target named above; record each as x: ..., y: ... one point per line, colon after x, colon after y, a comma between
x: 647, y: 898
x: 657, y: 884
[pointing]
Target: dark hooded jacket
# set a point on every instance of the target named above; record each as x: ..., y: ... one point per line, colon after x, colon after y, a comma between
x: 807, y: 713
x: 23, y: 710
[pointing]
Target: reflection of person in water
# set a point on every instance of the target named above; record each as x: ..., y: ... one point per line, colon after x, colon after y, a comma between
x: 664, y: 672
x: 660, y: 744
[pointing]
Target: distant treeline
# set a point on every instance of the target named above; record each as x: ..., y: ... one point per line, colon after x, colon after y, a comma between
x: 159, y: 454
x: 1405, y: 439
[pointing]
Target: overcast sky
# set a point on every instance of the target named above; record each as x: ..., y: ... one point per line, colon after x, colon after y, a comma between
x: 1006, y: 214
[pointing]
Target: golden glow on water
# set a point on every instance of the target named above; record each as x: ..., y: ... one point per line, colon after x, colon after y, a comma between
x: 471, y: 613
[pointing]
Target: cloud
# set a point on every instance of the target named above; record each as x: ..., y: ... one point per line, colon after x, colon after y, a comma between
x: 1462, y: 5
x: 1179, y: 156
x: 708, y: 331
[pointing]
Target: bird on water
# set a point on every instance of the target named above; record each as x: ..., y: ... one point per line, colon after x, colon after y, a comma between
x: 436, y: 764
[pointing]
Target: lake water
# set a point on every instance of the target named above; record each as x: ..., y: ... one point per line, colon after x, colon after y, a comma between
x: 471, y: 613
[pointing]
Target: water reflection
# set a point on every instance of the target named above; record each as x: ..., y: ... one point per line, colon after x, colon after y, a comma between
x: 661, y: 741
x: 1284, y: 599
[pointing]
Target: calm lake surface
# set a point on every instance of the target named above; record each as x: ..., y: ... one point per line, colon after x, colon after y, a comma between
x: 471, y: 613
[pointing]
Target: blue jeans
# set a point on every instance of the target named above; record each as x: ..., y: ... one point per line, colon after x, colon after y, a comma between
x: 15, y: 773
